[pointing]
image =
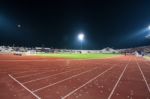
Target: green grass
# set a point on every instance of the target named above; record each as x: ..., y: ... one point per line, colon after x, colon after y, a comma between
x: 147, y: 57
x: 78, y: 56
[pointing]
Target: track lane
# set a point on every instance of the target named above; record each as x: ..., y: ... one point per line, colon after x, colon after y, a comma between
x: 29, y: 76
x: 44, y: 82
x: 98, y: 87
x: 145, y: 68
x: 131, y: 85
x: 68, y: 85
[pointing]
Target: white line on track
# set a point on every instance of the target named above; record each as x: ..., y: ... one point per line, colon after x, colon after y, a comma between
x: 48, y: 76
x: 110, y: 95
x: 32, y: 74
x: 23, y: 72
x: 22, y: 60
x: 70, y: 93
x: 36, y: 70
x: 32, y: 60
x: 24, y: 87
x: 63, y: 80
x: 143, y: 76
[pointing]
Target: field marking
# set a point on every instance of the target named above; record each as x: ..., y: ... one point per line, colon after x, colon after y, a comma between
x: 63, y: 80
x: 49, y: 76
x: 36, y: 70
x: 32, y: 60
x: 143, y: 76
x: 31, y: 74
x: 70, y: 93
x: 23, y: 60
x: 110, y: 95
x: 22, y: 72
x: 24, y: 86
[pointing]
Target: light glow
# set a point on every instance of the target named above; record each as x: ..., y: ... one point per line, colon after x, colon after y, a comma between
x: 149, y: 27
x: 81, y: 37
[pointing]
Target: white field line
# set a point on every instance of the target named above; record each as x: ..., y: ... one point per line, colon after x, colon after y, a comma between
x: 70, y: 93
x: 32, y: 74
x: 48, y: 76
x: 24, y: 72
x: 143, y: 76
x: 24, y: 87
x: 36, y: 60
x: 110, y: 95
x: 63, y: 80
x: 44, y: 69
x: 23, y: 60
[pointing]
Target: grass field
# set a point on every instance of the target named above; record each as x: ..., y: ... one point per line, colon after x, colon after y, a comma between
x: 147, y: 57
x: 78, y: 56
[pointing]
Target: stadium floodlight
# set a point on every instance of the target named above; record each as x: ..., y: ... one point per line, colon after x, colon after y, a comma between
x: 149, y: 27
x: 81, y: 38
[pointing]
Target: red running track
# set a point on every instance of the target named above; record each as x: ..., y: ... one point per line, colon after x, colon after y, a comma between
x: 124, y: 77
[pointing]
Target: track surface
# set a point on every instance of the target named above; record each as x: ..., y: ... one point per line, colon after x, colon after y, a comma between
x: 124, y: 77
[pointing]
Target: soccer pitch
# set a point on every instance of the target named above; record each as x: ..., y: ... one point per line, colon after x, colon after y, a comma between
x: 78, y: 56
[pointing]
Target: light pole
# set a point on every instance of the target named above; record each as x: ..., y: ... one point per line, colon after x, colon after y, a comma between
x: 81, y: 38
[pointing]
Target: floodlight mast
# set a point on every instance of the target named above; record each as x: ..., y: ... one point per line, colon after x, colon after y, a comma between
x: 81, y: 38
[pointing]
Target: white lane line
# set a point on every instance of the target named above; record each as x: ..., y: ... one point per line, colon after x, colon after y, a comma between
x: 63, y: 80
x: 39, y: 60
x: 24, y: 87
x: 31, y: 74
x: 36, y: 70
x: 110, y: 95
x: 70, y: 93
x: 143, y: 76
x: 23, y: 60
x: 48, y: 76
x: 23, y: 72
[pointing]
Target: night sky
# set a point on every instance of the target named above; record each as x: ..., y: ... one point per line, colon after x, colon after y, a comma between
x: 56, y: 24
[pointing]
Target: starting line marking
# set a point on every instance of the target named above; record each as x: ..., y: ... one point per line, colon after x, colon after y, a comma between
x: 87, y: 83
x: 143, y: 76
x: 110, y: 95
x: 24, y: 86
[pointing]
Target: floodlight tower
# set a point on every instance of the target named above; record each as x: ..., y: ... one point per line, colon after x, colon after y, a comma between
x: 81, y: 38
